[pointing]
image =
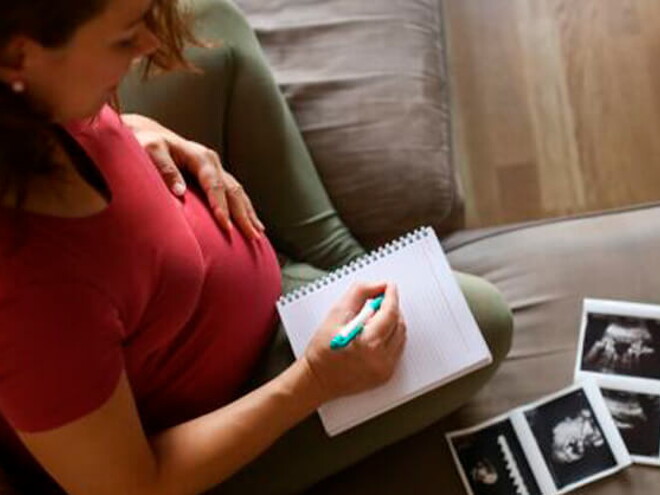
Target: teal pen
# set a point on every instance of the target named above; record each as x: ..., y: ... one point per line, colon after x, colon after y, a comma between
x: 353, y: 328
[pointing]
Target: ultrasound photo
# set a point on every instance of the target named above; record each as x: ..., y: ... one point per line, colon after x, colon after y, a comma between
x: 570, y: 438
x: 493, y: 462
x: 637, y: 416
x: 622, y: 345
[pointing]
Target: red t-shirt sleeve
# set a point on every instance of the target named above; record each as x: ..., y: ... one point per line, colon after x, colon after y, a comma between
x: 60, y: 353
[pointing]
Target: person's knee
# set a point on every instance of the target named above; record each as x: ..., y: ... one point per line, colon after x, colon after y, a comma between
x: 491, y: 312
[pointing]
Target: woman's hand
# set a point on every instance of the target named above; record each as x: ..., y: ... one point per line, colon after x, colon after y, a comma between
x: 371, y: 358
x: 171, y: 152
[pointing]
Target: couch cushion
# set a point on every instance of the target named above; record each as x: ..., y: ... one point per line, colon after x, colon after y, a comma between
x: 367, y: 84
x: 544, y: 271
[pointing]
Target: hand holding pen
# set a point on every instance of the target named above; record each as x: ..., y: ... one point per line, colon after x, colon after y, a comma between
x: 354, y: 327
x: 370, y: 346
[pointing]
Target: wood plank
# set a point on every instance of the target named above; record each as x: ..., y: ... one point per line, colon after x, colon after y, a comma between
x: 563, y: 92
x: 488, y: 85
x: 519, y: 191
x: 561, y: 182
x: 610, y: 92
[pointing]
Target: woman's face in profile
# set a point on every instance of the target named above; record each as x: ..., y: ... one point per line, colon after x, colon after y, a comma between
x: 74, y: 81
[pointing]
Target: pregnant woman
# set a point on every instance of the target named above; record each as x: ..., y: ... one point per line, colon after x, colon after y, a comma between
x: 131, y: 318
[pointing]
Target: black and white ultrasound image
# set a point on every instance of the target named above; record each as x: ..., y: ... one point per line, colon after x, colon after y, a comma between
x: 622, y: 345
x: 484, y: 463
x: 637, y: 416
x: 570, y: 438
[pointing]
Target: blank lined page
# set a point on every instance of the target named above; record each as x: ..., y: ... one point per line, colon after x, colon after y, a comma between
x: 443, y: 342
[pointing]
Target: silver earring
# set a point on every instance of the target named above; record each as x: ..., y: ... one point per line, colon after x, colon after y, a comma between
x: 18, y: 87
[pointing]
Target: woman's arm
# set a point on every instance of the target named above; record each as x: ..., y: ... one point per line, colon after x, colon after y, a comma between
x: 106, y: 452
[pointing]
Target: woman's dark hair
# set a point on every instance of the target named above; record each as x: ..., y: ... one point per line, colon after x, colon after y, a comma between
x: 26, y: 136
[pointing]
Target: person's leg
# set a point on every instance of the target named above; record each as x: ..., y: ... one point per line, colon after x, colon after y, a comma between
x: 265, y: 150
x: 306, y: 454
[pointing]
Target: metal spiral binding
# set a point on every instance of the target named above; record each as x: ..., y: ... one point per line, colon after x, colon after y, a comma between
x: 357, y: 264
x: 512, y: 466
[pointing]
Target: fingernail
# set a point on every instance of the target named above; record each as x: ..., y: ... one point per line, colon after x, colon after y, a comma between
x: 179, y: 189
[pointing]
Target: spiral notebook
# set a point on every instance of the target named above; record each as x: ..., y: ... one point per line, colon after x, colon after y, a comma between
x: 443, y: 340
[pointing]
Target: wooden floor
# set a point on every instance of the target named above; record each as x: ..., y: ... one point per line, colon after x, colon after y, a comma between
x: 557, y: 105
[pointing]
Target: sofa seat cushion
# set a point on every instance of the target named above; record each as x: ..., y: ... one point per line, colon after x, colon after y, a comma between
x: 544, y: 271
x: 367, y: 84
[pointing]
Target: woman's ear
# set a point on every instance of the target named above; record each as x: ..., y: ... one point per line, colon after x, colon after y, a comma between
x: 12, y: 59
x: 17, y: 56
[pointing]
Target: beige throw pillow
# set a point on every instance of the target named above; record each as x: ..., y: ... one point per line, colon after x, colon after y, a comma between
x: 367, y: 83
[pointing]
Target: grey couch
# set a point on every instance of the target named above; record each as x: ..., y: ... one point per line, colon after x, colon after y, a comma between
x: 367, y: 84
